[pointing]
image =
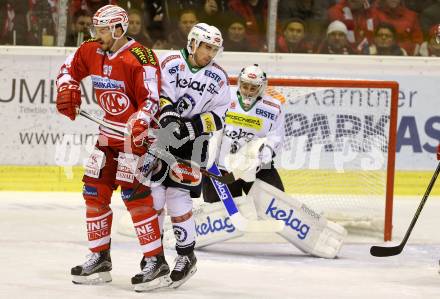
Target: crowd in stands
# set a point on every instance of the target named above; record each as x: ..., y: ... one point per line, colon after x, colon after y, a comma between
x: 369, y: 27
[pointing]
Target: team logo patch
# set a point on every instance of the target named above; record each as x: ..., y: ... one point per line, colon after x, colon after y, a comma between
x: 114, y: 102
x: 185, y: 103
x: 243, y: 120
x: 180, y: 233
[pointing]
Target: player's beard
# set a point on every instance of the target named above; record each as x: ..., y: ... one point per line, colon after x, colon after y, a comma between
x: 106, y: 46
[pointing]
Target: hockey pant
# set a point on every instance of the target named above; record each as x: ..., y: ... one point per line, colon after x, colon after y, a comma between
x: 107, y: 168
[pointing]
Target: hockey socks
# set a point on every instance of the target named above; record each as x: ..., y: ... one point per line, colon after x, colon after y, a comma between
x: 184, y: 232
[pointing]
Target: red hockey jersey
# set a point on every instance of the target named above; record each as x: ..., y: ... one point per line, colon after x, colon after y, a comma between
x: 124, y: 81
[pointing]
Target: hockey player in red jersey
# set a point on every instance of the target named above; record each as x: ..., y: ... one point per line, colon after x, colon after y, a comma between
x: 126, y: 80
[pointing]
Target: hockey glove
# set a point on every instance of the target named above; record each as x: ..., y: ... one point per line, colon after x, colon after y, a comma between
x: 69, y: 99
x: 140, y: 141
x: 186, y: 131
x: 180, y: 128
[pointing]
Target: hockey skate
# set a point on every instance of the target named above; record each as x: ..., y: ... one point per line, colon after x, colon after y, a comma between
x: 185, y: 268
x: 95, y: 270
x: 154, y: 274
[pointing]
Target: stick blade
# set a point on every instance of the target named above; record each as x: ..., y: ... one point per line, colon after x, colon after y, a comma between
x: 380, y: 251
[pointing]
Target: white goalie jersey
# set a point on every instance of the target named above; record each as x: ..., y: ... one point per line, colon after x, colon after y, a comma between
x: 194, y: 90
x: 264, y: 119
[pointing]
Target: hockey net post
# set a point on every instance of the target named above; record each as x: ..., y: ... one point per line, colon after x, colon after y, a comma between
x: 357, y: 91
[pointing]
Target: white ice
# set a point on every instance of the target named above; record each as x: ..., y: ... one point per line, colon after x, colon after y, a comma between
x: 42, y: 235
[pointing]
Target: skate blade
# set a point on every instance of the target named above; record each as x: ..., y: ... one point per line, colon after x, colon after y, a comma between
x: 176, y: 284
x: 158, y: 283
x: 92, y: 279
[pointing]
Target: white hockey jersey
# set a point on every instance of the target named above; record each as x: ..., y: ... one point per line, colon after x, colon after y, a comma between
x: 194, y: 90
x: 264, y: 119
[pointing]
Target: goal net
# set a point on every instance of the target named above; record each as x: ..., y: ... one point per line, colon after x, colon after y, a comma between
x: 339, y: 149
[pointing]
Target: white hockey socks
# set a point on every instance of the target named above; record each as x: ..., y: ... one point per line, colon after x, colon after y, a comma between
x: 184, y: 232
x: 304, y: 228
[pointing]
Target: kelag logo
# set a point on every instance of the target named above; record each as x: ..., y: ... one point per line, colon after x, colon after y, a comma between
x: 215, y: 225
x: 289, y: 219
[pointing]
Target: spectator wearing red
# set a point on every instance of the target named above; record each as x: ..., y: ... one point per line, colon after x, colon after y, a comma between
x: 357, y: 15
x: 409, y: 33
x: 42, y: 22
x: 293, y: 38
x: 431, y: 47
x: 336, y: 41
x: 254, y: 12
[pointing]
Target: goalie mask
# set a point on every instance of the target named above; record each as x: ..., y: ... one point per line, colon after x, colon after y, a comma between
x: 203, y: 32
x: 252, y: 83
x: 110, y: 16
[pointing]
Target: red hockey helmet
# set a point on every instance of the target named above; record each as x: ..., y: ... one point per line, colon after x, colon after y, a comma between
x: 110, y: 16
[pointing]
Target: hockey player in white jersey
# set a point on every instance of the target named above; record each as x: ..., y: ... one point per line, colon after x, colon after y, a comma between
x: 194, y: 97
x: 253, y: 134
x: 255, y: 112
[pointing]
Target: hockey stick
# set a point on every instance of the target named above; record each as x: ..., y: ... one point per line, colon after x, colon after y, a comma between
x: 380, y: 251
x: 227, y: 179
x: 237, y: 219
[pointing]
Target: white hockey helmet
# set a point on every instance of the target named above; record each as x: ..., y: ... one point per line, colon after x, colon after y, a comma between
x: 110, y: 16
x: 203, y: 32
x: 255, y: 76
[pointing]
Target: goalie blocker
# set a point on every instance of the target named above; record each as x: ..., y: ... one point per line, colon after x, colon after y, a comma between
x: 304, y: 228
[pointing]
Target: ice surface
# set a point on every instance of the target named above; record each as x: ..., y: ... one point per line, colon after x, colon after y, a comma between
x: 42, y: 235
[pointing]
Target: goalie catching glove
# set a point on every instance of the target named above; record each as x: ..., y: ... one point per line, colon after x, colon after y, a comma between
x: 69, y: 99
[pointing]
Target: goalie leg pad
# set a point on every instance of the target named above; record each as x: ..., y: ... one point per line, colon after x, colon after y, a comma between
x: 213, y: 224
x: 304, y: 228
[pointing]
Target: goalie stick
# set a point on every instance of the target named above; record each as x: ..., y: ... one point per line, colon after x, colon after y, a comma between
x: 227, y: 179
x: 238, y: 220
x: 380, y: 251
